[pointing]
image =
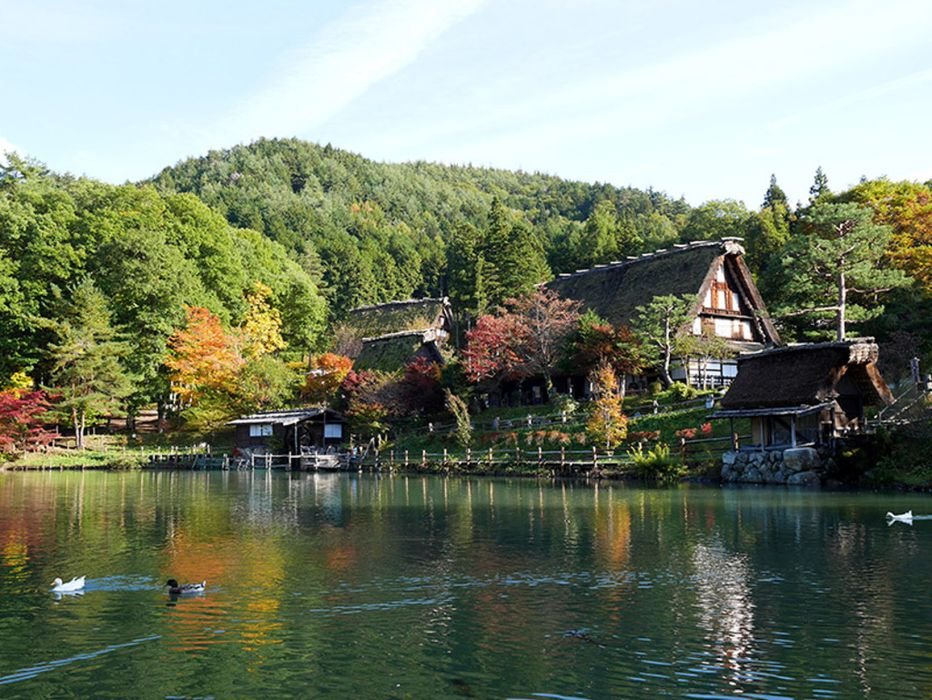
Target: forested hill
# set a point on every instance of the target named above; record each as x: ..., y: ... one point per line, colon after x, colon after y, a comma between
x: 375, y: 231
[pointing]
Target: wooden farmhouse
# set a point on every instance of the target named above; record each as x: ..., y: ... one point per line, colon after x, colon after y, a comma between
x: 726, y: 301
x: 396, y: 333
x: 288, y: 431
x: 806, y: 395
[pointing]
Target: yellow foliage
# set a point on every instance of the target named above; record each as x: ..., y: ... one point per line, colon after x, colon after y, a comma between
x: 262, y: 324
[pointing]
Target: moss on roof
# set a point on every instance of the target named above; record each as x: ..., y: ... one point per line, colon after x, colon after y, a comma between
x: 615, y: 290
x: 398, y: 316
x: 392, y: 352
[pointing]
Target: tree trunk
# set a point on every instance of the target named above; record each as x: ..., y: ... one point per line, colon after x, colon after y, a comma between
x: 77, y: 428
x: 160, y: 419
x: 548, y: 387
x: 842, y: 299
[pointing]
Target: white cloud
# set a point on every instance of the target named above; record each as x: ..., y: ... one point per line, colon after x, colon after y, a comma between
x: 365, y: 46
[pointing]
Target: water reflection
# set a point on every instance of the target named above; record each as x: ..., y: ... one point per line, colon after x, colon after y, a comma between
x: 340, y: 585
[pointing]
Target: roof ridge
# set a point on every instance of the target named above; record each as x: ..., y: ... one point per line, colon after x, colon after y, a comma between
x: 823, y: 345
x: 726, y: 244
x: 398, y: 334
x: 400, y: 302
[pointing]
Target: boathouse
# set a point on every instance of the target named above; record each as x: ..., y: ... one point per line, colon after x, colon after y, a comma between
x: 288, y: 431
x: 800, y: 400
x: 726, y: 303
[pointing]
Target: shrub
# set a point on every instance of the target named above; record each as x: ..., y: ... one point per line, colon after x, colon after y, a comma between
x: 657, y: 463
x: 457, y: 407
x: 564, y: 403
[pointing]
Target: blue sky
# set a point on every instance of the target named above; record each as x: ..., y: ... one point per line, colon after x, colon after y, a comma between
x: 703, y: 100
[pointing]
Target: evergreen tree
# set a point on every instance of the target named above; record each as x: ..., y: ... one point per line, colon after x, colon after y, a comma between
x: 87, y: 370
x: 819, y: 187
x: 774, y: 195
x: 658, y: 325
x: 840, y: 258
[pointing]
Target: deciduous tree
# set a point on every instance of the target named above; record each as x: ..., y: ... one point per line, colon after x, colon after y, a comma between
x: 607, y: 424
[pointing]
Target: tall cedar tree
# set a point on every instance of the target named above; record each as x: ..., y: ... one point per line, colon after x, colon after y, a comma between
x: 839, y: 257
x: 87, y: 370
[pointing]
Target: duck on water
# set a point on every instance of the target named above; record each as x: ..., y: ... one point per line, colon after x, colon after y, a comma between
x: 175, y: 588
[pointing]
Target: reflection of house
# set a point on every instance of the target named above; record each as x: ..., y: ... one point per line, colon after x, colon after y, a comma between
x: 727, y: 303
x: 806, y: 394
x: 395, y: 333
x: 288, y: 431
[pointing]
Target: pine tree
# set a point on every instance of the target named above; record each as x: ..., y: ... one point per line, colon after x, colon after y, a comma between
x: 841, y: 256
x: 87, y: 370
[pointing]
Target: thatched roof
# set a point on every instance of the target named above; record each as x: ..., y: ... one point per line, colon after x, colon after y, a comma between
x: 398, y: 316
x: 807, y: 375
x: 391, y: 352
x: 614, y: 291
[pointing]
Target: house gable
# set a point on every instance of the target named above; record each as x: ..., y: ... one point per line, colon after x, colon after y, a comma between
x: 713, y: 272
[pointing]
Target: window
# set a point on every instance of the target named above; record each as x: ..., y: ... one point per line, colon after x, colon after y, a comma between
x: 333, y: 430
x: 260, y: 430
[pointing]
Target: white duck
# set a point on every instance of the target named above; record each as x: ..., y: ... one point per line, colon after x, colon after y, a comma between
x: 174, y: 588
x: 75, y: 584
x: 906, y: 517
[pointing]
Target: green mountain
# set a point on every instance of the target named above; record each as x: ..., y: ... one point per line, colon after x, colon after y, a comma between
x: 371, y: 232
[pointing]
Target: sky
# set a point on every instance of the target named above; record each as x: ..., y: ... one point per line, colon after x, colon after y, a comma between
x: 700, y: 100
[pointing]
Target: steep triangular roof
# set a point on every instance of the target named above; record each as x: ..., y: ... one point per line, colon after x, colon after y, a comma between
x: 615, y: 290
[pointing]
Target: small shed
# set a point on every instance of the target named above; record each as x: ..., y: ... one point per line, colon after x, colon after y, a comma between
x: 807, y: 394
x: 288, y: 431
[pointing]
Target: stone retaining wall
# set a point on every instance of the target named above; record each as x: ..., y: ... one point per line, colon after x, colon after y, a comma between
x: 795, y: 466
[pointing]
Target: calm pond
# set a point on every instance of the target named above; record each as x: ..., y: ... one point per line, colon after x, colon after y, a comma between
x: 394, y: 587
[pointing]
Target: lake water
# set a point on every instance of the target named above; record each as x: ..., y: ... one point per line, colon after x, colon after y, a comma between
x: 358, y: 586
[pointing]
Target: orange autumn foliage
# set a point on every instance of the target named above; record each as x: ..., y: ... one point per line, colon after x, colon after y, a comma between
x: 203, y: 358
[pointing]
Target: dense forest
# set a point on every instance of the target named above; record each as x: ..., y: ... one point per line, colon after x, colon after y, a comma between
x: 266, y: 247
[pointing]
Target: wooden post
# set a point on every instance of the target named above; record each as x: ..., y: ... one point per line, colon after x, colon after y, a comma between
x: 468, y: 457
x: 423, y: 459
x: 490, y: 458
x: 562, y: 457
x: 595, y: 458
x: 540, y: 455
x: 517, y: 455
x: 445, y: 457
x: 406, y: 459
x: 392, y: 458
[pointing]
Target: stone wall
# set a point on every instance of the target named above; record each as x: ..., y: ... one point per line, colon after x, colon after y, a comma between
x: 795, y: 466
